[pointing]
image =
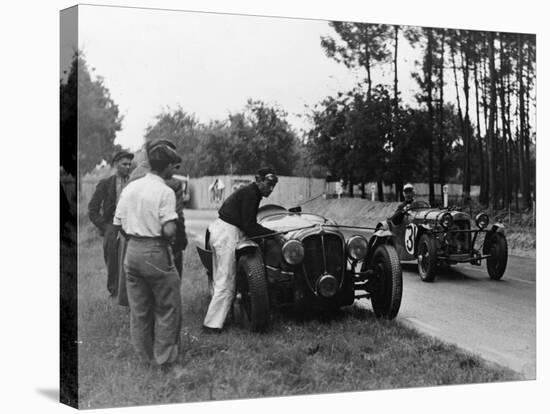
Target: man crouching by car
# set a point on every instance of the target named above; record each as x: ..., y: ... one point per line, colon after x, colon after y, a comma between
x: 236, y: 219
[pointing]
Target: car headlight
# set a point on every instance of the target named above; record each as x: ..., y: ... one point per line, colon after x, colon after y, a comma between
x: 293, y: 252
x: 482, y: 220
x: 357, y: 247
x: 446, y: 220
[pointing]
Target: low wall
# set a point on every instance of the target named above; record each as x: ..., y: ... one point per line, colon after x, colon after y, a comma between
x: 210, y: 192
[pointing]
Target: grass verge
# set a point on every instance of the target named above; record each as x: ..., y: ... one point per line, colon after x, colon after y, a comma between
x: 350, y: 350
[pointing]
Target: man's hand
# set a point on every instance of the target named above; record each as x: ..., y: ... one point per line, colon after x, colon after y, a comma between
x: 169, y: 231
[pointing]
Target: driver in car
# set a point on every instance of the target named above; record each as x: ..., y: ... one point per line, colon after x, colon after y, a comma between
x: 403, y: 208
x: 236, y: 220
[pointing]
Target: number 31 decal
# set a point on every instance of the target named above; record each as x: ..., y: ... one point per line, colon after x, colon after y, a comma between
x: 410, y: 237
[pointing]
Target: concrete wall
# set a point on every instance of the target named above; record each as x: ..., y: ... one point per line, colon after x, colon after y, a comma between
x: 210, y: 192
x: 207, y: 192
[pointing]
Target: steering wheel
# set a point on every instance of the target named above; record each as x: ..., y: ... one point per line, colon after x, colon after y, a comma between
x: 419, y: 204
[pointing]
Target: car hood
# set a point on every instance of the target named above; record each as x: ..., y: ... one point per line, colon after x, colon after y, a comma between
x: 290, y: 221
x: 435, y: 213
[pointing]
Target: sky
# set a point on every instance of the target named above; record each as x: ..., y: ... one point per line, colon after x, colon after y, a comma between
x: 211, y: 64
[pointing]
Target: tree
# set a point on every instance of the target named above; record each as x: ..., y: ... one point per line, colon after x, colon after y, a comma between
x: 87, y: 107
x: 362, y: 46
x: 260, y: 136
x: 184, y: 130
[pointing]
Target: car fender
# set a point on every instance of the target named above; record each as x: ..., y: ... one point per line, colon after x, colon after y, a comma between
x: 246, y: 247
x: 495, y: 228
x: 383, y: 233
x: 379, y: 237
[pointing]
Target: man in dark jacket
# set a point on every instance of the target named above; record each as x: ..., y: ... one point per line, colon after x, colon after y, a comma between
x: 237, y: 219
x: 404, y: 207
x: 101, y: 210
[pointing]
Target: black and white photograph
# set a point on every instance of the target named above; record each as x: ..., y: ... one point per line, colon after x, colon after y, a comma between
x: 259, y: 205
x: 266, y: 206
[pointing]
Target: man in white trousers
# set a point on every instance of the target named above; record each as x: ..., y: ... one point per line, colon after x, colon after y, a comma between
x: 236, y: 220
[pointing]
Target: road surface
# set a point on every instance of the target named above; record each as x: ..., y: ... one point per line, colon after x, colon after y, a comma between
x: 495, y: 320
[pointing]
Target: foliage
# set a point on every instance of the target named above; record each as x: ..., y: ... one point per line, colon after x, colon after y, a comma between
x: 257, y: 136
x: 87, y: 110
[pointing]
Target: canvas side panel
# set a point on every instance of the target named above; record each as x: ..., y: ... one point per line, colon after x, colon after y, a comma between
x: 68, y: 208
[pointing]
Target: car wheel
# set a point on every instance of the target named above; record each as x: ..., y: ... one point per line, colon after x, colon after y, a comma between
x: 497, y: 247
x: 251, y: 302
x: 386, y: 296
x: 427, y: 258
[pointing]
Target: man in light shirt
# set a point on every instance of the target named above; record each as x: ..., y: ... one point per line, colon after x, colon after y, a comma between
x: 147, y: 214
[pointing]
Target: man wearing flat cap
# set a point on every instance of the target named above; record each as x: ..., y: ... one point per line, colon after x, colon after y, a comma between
x: 236, y: 220
x: 101, y: 209
x: 143, y: 168
x: 147, y: 214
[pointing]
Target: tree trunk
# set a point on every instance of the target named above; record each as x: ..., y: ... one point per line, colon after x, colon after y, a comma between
x: 429, y: 87
x: 395, y: 86
x: 482, y: 182
x: 491, y: 129
x: 523, y: 173
x: 528, y: 134
x: 466, y: 134
x: 505, y: 126
x: 367, y: 61
x: 380, y: 188
x: 441, y: 148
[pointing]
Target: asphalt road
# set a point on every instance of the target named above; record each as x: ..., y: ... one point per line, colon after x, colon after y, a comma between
x: 494, y: 319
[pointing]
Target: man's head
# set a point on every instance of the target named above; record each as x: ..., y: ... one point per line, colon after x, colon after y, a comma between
x: 408, y: 192
x: 266, y: 181
x: 164, y: 160
x: 150, y: 145
x: 122, y: 161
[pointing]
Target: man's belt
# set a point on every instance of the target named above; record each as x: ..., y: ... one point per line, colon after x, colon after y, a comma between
x: 145, y: 238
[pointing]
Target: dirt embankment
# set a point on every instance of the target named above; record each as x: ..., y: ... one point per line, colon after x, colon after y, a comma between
x: 361, y: 212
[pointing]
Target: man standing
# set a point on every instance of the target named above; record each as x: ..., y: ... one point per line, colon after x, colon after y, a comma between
x: 180, y: 243
x: 147, y: 214
x: 237, y: 218
x: 101, y: 209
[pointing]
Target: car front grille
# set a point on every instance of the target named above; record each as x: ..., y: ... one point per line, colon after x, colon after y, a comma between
x: 324, y: 253
x: 459, y: 242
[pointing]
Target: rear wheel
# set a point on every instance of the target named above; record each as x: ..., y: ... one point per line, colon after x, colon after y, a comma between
x: 386, y: 296
x: 427, y: 258
x: 251, y: 303
x: 497, y: 247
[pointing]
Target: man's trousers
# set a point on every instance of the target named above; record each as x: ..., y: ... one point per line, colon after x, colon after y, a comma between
x: 224, y: 237
x: 154, y: 295
x: 110, y: 254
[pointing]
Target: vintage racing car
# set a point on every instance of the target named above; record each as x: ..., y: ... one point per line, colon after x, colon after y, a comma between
x: 311, y: 263
x: 435, y: 236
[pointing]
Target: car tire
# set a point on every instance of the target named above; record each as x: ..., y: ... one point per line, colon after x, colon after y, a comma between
x: 251, y: 302
x: 426, y: 255
x: 386, y: 297
x: 497, y: 246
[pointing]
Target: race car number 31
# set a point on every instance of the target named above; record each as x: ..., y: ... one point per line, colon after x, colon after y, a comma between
x: 410, y: 237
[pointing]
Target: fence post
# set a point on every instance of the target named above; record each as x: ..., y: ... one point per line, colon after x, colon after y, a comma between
x: 445, y: 196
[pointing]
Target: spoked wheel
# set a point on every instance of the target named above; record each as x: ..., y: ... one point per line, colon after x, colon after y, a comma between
x: 251, y: 302
x: 388, y: 289
x: 427, y: 258
x: 496, y: 246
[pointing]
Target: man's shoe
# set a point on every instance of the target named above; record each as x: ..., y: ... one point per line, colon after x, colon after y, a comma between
x: 209, y: 330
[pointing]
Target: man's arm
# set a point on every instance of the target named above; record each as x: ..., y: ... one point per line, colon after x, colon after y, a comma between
x: 95, y: 205
x: 180, y: 239
x: 249, y: 211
